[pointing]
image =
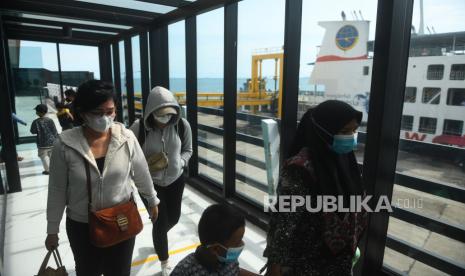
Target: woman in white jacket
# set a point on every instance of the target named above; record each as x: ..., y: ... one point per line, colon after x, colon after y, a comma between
x: 115, y: 158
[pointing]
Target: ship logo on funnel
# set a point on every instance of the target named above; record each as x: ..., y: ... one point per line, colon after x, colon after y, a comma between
x: 346, y: 37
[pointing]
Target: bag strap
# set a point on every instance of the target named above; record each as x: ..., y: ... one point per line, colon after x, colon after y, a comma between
x: 45, y: 262
x: 142, y: 132
x: 57, y: 257
x: 180, y: 129
x: 89, y: 193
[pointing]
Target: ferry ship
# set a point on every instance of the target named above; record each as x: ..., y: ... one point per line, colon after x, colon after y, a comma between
x: 434, y: 103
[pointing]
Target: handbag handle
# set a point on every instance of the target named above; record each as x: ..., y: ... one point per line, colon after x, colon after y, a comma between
x: 44, y: 262
x: 57, y: 257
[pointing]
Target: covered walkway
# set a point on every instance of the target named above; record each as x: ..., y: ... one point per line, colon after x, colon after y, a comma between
x: 26, y: 228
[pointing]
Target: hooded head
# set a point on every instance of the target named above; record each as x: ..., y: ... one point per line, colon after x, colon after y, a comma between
x: 319, y: 125
x: 161, y: 102
x: 337, y: 174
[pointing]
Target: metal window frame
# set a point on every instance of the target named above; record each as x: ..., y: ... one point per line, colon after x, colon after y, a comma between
x: 159, y: 57
x: 17, y: 19
x: 6, y: 124
x: 59, y: 71
x: 117, y: 81
x: 389, y: 73
x: 82, y: 11
x: 291, y: 67
x: 231, y: 12
x: 144, y: 67
x: 105, y: 62
x: 129, y: 79
x: 191, y: 89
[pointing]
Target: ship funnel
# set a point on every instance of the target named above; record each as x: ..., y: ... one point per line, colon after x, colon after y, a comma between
x: 344, y: 40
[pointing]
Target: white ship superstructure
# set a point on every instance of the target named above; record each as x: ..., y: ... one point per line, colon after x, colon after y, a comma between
x: 434, y: 105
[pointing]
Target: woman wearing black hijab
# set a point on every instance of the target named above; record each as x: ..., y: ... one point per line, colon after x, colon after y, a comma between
x: 322, y: 162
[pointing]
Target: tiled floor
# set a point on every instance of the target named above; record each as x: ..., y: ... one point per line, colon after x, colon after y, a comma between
x: 26, y: 228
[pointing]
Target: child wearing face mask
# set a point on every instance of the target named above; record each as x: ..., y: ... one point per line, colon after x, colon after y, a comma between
x: 221, y: 230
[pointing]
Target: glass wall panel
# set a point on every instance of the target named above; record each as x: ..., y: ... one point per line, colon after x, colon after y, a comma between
x: 432, y: 147
x: 210, y: 50
x: 259, y: 81
x: 124, y: 90
x: 36, y: 79
x: 78, y: 64
x: 336, y: 58
x: 177, y: 57
x: 136, y: 74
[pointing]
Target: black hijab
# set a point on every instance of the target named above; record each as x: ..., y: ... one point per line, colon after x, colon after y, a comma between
x: 337, y: 174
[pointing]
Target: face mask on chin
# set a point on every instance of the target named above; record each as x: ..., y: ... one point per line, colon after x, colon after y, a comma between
x: 232, y: 254
x: 99, y: 123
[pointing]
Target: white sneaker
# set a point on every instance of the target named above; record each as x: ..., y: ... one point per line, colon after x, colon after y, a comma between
x: 166, y: 269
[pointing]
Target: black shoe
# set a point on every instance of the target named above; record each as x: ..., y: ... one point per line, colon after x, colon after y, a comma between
x: 45, y: 173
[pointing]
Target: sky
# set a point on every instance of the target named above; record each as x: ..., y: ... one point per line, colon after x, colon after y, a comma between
x: 261, y: 25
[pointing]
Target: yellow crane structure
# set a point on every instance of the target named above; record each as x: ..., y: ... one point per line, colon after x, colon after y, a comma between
x: 256, y: 94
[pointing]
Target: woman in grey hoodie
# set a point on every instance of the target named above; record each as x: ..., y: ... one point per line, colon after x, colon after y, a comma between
x: 115, y: 159
x: 166, y: 139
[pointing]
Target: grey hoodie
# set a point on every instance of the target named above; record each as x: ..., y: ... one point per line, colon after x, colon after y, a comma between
x: 166, y: 140
x: 67, y: 184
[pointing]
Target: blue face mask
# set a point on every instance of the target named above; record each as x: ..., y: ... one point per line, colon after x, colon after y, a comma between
x: 343, y: 144
x: 232, y: 254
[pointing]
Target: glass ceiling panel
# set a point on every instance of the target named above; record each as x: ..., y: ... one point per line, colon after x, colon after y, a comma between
x: 67, y: 20
x: 37, y: 25
x: 134, y: 5
x: 93, y: 31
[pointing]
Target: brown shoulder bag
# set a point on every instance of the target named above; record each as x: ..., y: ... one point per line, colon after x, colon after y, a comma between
x: 112, y: 225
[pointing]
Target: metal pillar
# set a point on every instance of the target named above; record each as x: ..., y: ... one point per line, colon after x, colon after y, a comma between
x: 144, y: 66
x: 104, y: 54
x: 386, y: 102
x: 129, y: 79
x: 159, y: 59
x: 230, y: 99
x: 117, y: 82
x: 6, y: 123
x: 191, y: 89
x: 292, y: 34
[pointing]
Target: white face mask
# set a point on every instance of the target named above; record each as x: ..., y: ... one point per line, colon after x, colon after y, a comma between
x: 99, y: 123
x: 163, y: 119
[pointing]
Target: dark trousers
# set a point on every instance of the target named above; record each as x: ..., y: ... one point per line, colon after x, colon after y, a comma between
x: 169, y: 211
x: 92, y: 261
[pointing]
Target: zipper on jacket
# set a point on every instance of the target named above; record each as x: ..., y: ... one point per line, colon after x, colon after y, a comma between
x: 101, y: 190
x: 163, y: 149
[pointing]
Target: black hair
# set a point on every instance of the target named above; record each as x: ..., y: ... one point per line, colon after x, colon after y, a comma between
x: 91, y: 94
x: 41, y: 108
x: 70, y: 92
x: 218, y: 223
